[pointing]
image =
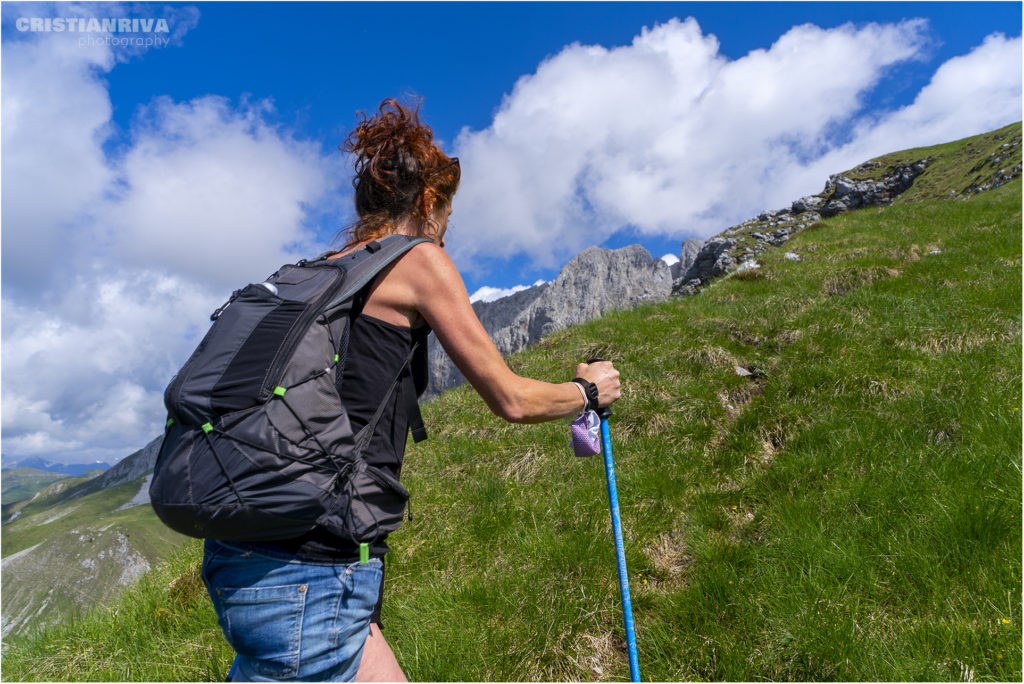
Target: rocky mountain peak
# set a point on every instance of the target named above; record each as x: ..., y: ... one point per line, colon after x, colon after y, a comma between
x: 594, y: 282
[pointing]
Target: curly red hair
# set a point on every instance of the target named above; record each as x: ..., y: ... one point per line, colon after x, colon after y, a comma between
x: 400, y: 172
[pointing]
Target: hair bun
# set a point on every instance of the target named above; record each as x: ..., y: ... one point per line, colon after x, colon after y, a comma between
x: 394, y: 156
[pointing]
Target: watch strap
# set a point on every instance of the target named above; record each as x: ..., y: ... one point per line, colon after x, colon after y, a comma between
x: 591, y: 391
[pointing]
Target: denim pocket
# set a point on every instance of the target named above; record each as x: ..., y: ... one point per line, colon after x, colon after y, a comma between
x: 264, y: 625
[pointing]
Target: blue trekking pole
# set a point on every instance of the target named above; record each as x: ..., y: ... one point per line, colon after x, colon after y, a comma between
x: 620, y: 553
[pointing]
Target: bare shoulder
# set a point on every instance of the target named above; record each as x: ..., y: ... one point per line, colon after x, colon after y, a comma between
x: 431, y: 278
x: 428, y: 264
x: 428, y: 255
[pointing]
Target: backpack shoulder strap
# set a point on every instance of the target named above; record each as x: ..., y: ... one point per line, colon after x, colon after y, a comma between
x: 363, y: 265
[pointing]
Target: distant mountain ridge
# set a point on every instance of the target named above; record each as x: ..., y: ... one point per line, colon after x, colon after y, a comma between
x: 126, y: 470
x: 594, y: 282
x: 51, y: 467
x: 20, y: 484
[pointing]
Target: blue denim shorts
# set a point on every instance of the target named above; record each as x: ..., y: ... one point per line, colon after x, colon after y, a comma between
x: 290, y: 619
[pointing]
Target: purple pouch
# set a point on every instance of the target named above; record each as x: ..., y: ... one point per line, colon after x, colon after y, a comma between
x: 586, y: 434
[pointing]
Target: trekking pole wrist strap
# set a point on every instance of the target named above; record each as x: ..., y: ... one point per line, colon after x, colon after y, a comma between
x: 586, y: 399
x: 589, y: 392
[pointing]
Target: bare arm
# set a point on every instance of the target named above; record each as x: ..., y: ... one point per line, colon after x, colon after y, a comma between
x: 436, y: 290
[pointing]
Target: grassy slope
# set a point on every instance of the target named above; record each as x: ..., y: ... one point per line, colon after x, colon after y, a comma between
x: 967, y: 162
x: 97, y: 510
x: 24, y: 483
x: 45, y: 498
x: 60, y: 560
x: 853, y: 514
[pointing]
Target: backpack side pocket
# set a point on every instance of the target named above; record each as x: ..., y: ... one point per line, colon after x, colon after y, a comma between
x: 376, y: 503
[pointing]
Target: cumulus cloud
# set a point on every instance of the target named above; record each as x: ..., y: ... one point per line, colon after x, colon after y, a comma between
x: 487, y: 293
x: 969, y: 94
x: 55, y: 112
x: 112, y: 261
x: 97, y: 380
x: 213, y: 192
x: 667, y: 136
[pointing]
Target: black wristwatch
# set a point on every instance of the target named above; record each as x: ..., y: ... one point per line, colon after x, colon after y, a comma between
x: 591, y: 390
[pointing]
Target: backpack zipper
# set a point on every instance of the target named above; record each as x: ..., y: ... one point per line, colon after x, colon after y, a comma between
x: 297, y: 332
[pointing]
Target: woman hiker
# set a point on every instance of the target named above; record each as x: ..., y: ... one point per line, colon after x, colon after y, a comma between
x: 404, y: 184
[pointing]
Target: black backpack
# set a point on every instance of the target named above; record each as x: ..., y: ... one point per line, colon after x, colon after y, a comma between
x: 258, y: 445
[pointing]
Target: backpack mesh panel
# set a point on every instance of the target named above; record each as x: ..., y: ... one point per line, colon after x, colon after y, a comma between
x: 326, y: 398
x: 342, y: 357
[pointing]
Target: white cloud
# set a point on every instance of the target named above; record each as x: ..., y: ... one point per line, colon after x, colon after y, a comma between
x: 215, y: 193
x: 487, y: 293
x: 112, y: 264
x: 671, y: 138
x: 97, y: 380
x: 55, y: 113
x: 56, y: 116
x: 967, y: 95
x: 670, y: 259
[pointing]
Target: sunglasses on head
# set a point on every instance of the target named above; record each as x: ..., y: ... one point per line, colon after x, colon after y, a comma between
x: 453, y: 162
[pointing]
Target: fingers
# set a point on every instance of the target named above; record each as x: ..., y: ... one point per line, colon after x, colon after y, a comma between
x: 604, y: 375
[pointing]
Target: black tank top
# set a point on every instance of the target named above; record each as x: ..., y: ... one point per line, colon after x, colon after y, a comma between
x: 376, y: 351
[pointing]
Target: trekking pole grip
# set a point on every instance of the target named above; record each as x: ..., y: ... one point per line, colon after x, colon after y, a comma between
x: 602, y: 413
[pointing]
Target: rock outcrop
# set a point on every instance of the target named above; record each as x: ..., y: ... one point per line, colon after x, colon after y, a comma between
x: 846, y: 193
x: 993, y: 171
x: 594, y: 282
x: 687, y: 255
x: 711, y: 261
x: 598, y: 280
x: 743, y: 243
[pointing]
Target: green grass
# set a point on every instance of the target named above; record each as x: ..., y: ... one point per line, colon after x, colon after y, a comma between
x: 63, y: 559
x: 854, y: 514
x: 20, y: 484
x: 163, y: 630
x: 48, y: 496
x: 960, y: 164
x: 101, y: 508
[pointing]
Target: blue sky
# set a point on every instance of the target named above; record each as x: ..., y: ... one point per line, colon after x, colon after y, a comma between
x: 320, y: 62
x: 144, y: 183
